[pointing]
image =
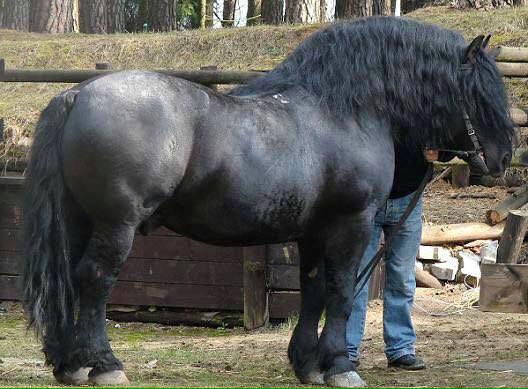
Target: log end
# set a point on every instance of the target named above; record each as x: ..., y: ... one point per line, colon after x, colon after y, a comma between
x: 493, y: 217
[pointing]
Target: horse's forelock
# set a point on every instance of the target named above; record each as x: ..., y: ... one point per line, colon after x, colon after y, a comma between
x: 483, y: 90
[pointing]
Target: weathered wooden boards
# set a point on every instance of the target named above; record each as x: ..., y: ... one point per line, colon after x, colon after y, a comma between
x: 504, y: 285
x: 163, y: 269
x: 512, y: 237
x: 504, y: 288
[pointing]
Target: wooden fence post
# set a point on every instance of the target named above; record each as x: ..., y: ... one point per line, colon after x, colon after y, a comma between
x: 512, y: 237
x: 460, y: 175
x: 256, y: 308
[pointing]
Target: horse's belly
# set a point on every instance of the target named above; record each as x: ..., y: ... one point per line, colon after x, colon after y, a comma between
x: 225, y: 221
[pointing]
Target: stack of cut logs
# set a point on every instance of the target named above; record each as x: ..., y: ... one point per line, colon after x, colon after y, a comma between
x: 487, y: 255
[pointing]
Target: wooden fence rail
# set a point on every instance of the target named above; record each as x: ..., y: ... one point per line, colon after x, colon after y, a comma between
x: 205, y: 77
x: 511, y: 62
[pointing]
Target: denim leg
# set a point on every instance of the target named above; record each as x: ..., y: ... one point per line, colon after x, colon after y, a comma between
x: 400, y: 284
x: 356, y: 322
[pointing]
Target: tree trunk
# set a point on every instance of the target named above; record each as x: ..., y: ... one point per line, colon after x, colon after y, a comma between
x: 2, y: 13
x: 162, y: 15
x: 116, y: 16
x: 51, y: 16
x: 142, y: 20
x: 303, y: 11
x: 254, y: 10
x: 203, y: 13
x: 357, y: 8
x: 15, y: 15
x: 381, y: 7
x: 75, y: 13
x: 228, y: 14
x: 339, y: 9
x: 272, y: 11
x: 323, y: 5
x: 209, y: 7
x: 93, y: 16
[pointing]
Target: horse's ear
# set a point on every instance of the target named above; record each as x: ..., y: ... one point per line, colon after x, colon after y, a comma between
x: 473, y: 49
x: 486, y: 41
x: 493, y: 52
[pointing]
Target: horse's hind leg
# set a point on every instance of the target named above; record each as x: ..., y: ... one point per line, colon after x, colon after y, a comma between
x: 79, y: 229
x: 95, y: 276
x: 302, y: 350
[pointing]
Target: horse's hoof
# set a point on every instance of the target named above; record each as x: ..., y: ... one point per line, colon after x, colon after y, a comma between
x: 80, y: 377
x: 110, y: 378
x: 349, y: 379
x: 313, y: 378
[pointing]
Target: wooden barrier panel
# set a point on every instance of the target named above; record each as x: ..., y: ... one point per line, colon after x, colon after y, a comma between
x: 504, y: 288
x: 164, y: 269
x: 156, y: 294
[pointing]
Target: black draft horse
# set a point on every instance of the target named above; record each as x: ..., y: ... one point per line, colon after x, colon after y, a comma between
x: 304, y: 153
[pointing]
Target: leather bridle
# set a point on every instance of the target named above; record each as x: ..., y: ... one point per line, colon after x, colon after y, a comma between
x: 475, y: 157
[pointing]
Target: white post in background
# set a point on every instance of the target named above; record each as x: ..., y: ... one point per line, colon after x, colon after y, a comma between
x: 218, y: 10
x: 330, y: 11
x: 241, y: 8
x: 397, y: 8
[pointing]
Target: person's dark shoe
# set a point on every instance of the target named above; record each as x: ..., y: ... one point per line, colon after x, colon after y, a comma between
x: 408, y: 362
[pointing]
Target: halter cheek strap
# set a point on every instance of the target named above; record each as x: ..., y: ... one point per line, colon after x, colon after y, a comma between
x: 477, y: 158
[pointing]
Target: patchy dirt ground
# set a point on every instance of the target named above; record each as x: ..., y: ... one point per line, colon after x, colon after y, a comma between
x: 440, y: 207
x: 452, y: 338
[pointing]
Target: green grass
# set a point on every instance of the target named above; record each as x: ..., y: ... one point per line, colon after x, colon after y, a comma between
x: 251, y: 48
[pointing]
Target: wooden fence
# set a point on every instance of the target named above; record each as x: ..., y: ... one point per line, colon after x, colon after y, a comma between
x: 168, y: 270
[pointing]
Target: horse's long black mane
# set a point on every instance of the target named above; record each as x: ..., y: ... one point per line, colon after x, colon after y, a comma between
x: 406, y: 71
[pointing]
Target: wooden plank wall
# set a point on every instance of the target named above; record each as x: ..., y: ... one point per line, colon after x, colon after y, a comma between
x: 168, y: 270
x: 163, y: 269
x: 283, y: 280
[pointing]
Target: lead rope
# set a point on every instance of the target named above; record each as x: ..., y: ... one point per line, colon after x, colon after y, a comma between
x: 365, y: 274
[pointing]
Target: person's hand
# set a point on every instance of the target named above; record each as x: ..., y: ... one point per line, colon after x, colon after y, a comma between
x: 430, y: 155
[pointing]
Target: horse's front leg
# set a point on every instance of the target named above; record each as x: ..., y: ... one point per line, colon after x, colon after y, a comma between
x: 345, y: 240
x: 302, y: 351
x: 96, y: 274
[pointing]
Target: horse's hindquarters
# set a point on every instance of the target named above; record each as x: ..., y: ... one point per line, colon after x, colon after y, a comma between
x: 125, y: 149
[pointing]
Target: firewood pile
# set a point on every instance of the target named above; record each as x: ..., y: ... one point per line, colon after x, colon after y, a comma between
x: 481, y: 255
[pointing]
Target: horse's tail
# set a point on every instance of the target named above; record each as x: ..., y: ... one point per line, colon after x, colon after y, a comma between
x: 49, y: 295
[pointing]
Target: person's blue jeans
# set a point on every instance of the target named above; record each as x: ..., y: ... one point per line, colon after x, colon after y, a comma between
x: 398, y: 295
